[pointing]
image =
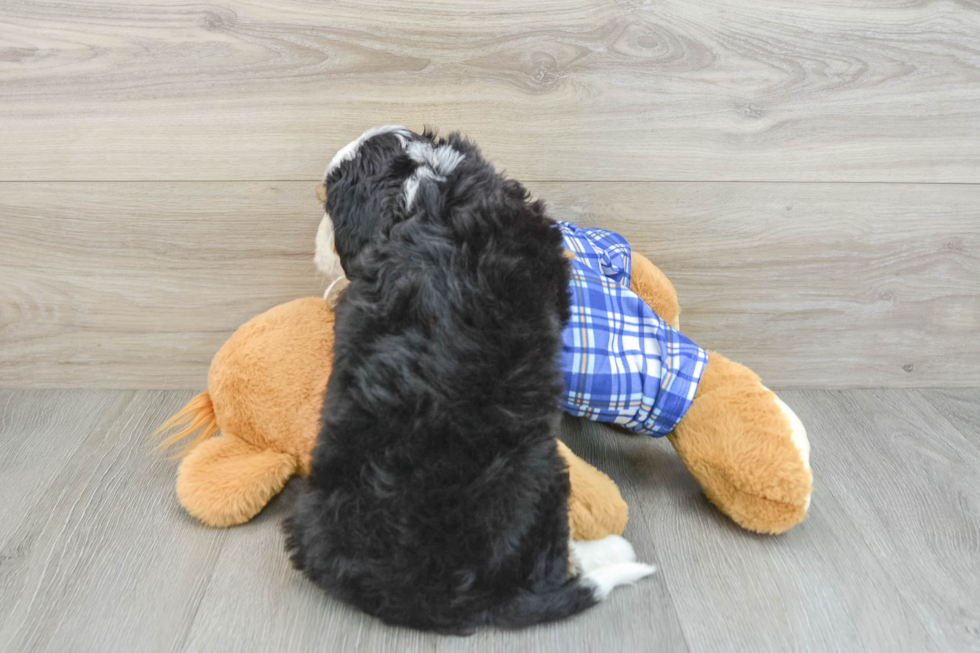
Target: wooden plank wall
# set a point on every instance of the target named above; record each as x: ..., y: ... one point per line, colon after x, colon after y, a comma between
x: 808, y: 174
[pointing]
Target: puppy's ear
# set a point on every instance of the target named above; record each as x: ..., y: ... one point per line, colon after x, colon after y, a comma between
x: 321, y: 193
x: 402, y: 166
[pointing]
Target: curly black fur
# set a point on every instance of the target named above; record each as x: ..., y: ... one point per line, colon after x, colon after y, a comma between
x: 437, y: 499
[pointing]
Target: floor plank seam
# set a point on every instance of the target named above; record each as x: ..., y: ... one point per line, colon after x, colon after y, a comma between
x: 648, y: 528
x: 184, y: 640
x: 975, y: 446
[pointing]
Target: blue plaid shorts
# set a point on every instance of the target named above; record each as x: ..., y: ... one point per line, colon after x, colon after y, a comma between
x: 622, y: 363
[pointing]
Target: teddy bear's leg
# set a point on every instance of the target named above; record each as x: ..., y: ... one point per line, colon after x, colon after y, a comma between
x: 654, y: 288
x: 595, y: 507
x: 226, y: 481
x: 746, y: 448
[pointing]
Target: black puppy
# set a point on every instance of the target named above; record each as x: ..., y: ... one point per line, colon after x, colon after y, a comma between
x: 437, y: 498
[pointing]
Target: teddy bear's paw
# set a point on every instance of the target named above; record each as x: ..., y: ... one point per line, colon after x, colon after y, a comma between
x: 226, y: 481
x: 749, y: 452
x: 798, y: 435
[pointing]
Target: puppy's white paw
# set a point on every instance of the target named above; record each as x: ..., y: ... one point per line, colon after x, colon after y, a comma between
x: 589, y: 555
x: 607, y: 563
x: 604, y: 579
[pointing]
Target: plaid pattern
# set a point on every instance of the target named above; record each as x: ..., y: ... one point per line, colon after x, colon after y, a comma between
x: 621, y: 362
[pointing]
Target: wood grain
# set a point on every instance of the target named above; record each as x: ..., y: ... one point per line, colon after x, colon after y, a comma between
x: 106, y: 560
x: 40, y: 432
x: 811, y: 285
x: 816, y: 588
x: 761, y: 90
x: 960, y: 407
x: 256, y: 601
x: 807, y: 174
x: 887, y: 560
x: 253, y: 574
x: 907, y: 481
x: 136, y: 285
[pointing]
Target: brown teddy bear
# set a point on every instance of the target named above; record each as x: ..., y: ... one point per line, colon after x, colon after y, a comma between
x: 265, y: 391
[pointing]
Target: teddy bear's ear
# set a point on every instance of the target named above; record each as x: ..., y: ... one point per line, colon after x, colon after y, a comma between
x: 321, y: 192
x: 226, y: 481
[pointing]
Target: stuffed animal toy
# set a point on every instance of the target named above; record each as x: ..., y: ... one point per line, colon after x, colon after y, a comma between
x: 625, y: 362
x: 744, y: 445
x: 265, y: 391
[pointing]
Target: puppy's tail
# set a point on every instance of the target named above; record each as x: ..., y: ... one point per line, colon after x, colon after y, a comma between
x: 197, y: 414
x: 608, y: 563
x: 529, y: 608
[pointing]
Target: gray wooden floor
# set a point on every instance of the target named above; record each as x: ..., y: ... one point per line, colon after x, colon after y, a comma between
x: 97, y: 555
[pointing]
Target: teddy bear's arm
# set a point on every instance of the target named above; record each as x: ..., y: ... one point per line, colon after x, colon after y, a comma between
x: 654, y: 288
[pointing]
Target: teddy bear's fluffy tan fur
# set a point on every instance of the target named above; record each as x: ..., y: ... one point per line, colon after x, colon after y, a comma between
x: 265, y: 391
x: 266, y: 386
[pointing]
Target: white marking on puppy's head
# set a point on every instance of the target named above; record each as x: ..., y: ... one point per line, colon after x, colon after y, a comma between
x: 349, y: 151
x: 442, y: 160
x: 412, y: 183
x: 435, y: 163
x: 325, y: 257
